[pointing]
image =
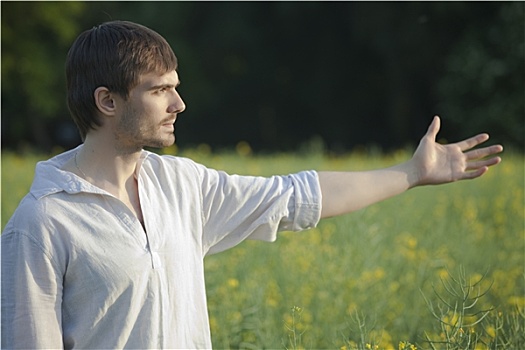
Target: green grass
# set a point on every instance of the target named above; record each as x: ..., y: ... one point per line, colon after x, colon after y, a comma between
x: 380, y: 278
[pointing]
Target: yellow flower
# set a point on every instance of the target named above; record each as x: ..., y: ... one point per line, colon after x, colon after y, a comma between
x: 296, y: 309
x: 406, y: 345
x: 491, y: 331
x: 243, y: 149
x: 412, y: 242
x: 233, y: 283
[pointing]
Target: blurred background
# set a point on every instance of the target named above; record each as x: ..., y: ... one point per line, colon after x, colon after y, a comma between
x: 282, y: 75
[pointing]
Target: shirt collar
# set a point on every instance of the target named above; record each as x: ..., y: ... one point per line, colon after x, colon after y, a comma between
x: 50, y: 178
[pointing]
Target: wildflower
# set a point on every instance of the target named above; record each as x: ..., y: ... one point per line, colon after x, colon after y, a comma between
x: 491, y: 331
x: 412, y: 242
x: 233, y: 283
x: 243, y: 149
x: 406, y: 346
x: 296, y: 309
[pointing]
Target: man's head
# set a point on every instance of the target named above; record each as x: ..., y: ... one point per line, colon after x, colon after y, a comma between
x: 113, y: 55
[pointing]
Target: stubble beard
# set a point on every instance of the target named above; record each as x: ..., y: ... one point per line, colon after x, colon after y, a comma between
x: 132, y: 136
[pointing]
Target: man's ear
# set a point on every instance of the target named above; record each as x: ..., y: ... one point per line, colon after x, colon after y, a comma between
x: 104, y: 101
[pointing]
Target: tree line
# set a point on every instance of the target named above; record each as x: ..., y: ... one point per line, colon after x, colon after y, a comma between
x: 282, y: 74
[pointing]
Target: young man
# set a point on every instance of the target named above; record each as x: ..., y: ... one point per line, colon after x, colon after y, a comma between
x: 106, y: 251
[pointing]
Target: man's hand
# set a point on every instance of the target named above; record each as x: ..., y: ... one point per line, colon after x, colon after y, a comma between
x: 436, y: 164
x: 432, y: 163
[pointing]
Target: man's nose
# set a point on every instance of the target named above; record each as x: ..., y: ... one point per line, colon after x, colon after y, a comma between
x: 177, y: 105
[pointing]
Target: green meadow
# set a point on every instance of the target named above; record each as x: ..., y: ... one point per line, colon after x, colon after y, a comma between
x: 440, y: 267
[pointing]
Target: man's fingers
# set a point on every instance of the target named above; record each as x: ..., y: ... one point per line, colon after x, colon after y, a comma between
x: 482, y: 163
x: 476, y: 173
x: 483, y: 152
x: 472, y: 142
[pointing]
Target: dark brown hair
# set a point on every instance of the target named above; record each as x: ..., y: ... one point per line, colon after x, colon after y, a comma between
x: 114, y: 55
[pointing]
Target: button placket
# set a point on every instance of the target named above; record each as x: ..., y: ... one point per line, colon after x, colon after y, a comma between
x: 156, y: 262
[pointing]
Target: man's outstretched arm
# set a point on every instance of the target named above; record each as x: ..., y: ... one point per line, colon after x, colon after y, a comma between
x: 431, y: 164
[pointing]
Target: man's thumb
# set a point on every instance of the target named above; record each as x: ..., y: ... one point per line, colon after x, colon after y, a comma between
x: 434, y: 127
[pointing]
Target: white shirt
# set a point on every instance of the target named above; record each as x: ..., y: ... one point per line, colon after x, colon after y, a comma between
x: 79, y: 270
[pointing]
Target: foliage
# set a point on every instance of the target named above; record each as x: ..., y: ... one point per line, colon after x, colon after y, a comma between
x: 484, y: 79
x: 35, y: 40
x: 279, y: 74
x: 401, y: 274
x: 378, y: 277
x: 464, y: 324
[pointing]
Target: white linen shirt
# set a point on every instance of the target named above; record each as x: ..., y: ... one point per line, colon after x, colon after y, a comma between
x: 79, y: 270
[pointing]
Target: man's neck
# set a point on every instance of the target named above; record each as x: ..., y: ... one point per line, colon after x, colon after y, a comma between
x: 105, y: 165
x: 110, y: 169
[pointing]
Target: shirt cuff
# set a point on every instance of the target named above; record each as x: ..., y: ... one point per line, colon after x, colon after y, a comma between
x: 307, y: 200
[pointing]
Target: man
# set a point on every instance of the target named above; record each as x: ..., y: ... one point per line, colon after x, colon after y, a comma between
x: 106, y: 251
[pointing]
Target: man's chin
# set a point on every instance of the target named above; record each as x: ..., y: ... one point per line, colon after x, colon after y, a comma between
x: 161, y: 143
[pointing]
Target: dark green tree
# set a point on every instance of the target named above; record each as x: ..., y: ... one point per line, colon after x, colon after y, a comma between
x: 35, y: 38
x: 277, y: 74
x: 484, y: 80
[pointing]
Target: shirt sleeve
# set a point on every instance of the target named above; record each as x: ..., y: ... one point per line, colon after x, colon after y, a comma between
x: 236, y: 208
x: 31, y: 295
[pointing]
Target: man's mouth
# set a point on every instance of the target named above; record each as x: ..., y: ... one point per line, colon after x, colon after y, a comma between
x: 169, y: 122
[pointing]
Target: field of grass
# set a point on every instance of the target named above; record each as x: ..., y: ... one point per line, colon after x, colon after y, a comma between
x: 438, y: 267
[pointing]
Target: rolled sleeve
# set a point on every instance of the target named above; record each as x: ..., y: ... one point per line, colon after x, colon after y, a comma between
x: 305, y: 205
x: 239, y: 208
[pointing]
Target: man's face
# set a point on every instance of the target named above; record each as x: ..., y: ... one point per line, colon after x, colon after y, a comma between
x: 147, y: 118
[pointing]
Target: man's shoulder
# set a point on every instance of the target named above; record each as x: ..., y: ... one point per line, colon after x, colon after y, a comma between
x: 177, y: 164
x: 30, y: 211
x: 34, y: 230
